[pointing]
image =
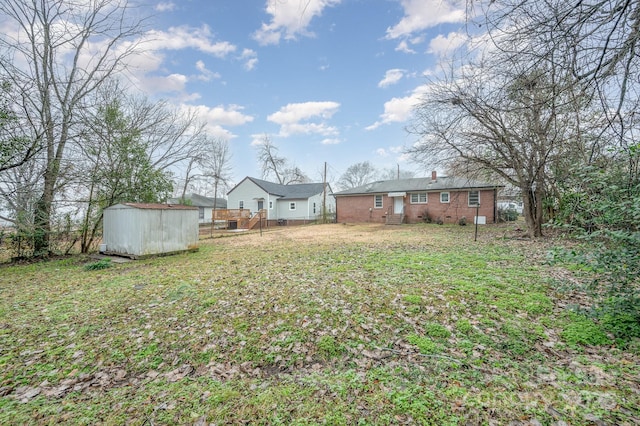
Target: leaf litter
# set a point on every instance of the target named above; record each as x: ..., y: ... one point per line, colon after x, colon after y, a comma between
x: 385, y: 313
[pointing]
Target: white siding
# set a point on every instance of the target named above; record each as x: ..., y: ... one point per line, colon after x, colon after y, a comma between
x: 248, y: 192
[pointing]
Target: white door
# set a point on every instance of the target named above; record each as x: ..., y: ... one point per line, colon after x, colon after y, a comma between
x: 398, y: 205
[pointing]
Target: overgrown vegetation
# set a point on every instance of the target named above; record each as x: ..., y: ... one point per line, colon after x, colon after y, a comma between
x: 331, y: 324
x: 603, y: 210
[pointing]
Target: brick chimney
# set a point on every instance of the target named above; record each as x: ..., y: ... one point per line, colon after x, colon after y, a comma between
x: 434, y: 176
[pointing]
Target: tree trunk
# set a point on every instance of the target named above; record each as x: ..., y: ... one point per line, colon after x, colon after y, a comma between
x: 533, y: 212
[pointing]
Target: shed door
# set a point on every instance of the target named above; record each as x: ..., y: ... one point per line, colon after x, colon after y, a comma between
x: 260, y: 205
x: 398, y: 205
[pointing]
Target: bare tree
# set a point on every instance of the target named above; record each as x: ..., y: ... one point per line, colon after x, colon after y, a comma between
x: 597, y: 42
x: 358, y: 174
x: 17, y: 146
x: 61, y: 51
x: 277, y: 167
x: 511, y: 120
x: 128, y: 149
x: 216, y: 165
x: 393, y: 173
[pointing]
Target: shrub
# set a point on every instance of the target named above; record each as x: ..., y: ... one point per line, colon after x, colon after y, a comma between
x: 100, y: 264
x: 462, y: 221
x: 507, y: 215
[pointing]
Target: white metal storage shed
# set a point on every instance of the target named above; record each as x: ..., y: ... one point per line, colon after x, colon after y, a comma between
x: 137, y: 230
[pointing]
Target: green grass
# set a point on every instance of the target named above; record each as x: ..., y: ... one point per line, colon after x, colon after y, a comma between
x: 312, y: 325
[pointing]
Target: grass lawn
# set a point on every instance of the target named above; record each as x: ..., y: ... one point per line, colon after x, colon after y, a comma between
x: 323, y: 324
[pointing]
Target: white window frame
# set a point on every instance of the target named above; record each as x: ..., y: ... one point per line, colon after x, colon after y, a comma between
x: 270, y: 205
x: 292, y: 205
x: 469, y: 198
x: 314, y: 208
x: 375, y: 202
x: 419, y: 196
x: 241, y: 204
x: 448, y: 197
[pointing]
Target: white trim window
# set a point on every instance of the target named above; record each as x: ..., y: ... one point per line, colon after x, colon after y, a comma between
x: 241, y: 204
x: 474, y: 198
x: 377, y: 201
x: 445, y: 197
x: 419, y: 198
x: 270, y: 205
x: 292, y: 205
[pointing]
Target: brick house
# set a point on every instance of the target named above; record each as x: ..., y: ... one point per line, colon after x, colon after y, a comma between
x: 447, y: 199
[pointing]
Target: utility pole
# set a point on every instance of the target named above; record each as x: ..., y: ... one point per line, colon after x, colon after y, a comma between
x: 324, y: 195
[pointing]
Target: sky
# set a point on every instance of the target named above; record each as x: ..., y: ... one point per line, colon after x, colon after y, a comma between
x: 325, y: 80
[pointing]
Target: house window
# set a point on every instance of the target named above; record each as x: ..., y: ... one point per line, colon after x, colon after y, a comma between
x: 201, y: 213
x: 292, y: 205
x: 241, y: 204
x: 419, y: 198
x: 444, y: 197
x: 474, y: 198
x: 270, y: 205
x: 314, y: 208
x: 377, y: 201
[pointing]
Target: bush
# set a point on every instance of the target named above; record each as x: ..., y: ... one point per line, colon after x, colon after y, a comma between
x: 100, y: 264
x: 507, y: 215
x: 462, y: 221
x: 604, y: 213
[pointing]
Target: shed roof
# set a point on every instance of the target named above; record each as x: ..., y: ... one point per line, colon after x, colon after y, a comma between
x: 198, y: 200
x: 154, y: 206
x: 294, y: 191
x: 416, y: 184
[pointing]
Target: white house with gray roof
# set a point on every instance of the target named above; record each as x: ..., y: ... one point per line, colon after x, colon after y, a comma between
x: 284, y: 204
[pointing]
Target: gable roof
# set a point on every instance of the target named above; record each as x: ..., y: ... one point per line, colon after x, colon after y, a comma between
x: 294, y: 191
x: 416, y: 184
x: 202, y: 201
x: 151, y: 206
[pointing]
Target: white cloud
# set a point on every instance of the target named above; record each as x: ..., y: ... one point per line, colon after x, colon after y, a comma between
x: 185, y: 37
x: 444, y: 45
x: 165, y: 6
x: 331, y: 141
x: 295, y: 118
x: 290, y: 19
x: 391, y: 77
x: 205, y: 74
x: 399, y: 110
x: 229, y: 115
x: 293, y: 113
x: 403, y: 46
x: 382, y: 152
x: 171, y: 83
x: 420, y: 15
x: 250, y: 57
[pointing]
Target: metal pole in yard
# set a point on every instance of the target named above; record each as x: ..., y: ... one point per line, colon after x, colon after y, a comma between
x: 475, y: 238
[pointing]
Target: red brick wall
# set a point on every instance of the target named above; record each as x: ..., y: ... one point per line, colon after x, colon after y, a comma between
x: 360, y: 208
